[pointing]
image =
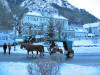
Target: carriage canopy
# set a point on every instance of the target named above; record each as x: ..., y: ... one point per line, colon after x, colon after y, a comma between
x: 66, y: 43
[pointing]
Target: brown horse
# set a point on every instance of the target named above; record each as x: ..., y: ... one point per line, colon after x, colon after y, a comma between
x: 30, y: 47
x: 40, y: 39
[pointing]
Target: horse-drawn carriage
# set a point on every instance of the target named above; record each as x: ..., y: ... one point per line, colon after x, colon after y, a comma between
x: 53, y: 48
x: 67, y: 44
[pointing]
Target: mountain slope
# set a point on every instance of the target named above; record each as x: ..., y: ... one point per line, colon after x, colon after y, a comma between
x: 47, y: 7
x: 76, y: 16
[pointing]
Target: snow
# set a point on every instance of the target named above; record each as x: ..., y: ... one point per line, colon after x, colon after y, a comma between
x: 39, y: 36
x: 58, y: 16
x: 5, y: 38
x: 82, y: 42
x: 79, y: 46
x: 19, y: 68
x: 19, y: 40
x: 86, y: 43
x: 86, y: 50
x: 18, y: 50
x: 22, y: 51
x: 90, y: 34
x: 34, y: 13
x: 96, y: 24
x: 80, y: 30
x: 11, y: 68
x: 71, y: 69
x: 58, y: 2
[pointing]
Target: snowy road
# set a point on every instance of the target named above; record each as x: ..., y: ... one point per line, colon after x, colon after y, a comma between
x: 83, y: 56
x: 85, y: 59
x: 85, y: 62
x: 79, y: 59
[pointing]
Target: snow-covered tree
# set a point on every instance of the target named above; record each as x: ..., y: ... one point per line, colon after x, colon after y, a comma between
x: 60, y: 27
x: 44, y: 67
x: 51, y: 29
x: 17, y: 13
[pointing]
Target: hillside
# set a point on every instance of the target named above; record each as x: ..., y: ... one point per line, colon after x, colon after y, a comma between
x: 48, y: 7
x: 64, y: 8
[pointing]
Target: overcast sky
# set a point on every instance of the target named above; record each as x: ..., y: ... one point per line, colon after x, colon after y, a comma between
x: 92, y: 6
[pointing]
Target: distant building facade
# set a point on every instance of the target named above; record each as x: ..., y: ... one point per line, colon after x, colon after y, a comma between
x: 34, y: 23
x: 6, y: 36
x: 76, y: 32
x: 93, y: 29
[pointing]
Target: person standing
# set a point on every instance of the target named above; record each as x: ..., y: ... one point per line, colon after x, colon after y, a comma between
x: 4, y: 48
x: 9, y: 48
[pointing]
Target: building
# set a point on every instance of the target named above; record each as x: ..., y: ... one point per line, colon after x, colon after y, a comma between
x: 75, y: 32
x: 6, y: 37
x: 93, y: 29
x: 35, y: 24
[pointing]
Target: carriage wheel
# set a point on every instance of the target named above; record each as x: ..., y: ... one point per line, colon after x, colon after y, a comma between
x: 70, y: 55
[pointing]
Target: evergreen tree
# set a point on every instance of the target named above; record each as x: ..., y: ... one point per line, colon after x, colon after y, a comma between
x: 51, y: 29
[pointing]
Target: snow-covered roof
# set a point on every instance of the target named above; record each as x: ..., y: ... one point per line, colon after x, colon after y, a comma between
x: 58, y: 16
x: 3, y: 34
x: 34, y: 13
x: 80, y: 30
x: 90, y: 34
x: 58, y: 2
x: 39, y: 36
x: 19, y: 40
x: 96, y: 24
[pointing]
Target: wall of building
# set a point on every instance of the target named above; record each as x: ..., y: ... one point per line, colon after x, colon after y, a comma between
x: 93, y: 29
x: 37, y: 22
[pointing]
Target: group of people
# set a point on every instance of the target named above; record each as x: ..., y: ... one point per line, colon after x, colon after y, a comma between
x: 55, y: 48
x: 5, y: 48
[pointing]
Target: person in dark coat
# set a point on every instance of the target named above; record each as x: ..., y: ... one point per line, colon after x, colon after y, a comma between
x: 9, y: 48
x: 4, y: 48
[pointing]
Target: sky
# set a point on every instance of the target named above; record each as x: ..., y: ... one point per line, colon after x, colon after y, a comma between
x: 92, y: 6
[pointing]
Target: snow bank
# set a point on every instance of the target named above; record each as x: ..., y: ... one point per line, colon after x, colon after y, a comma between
x: 71, y: 69
x: 13, y: 68
x: 19, y: 40
x: 86, y: 43
x: 17, y: 50
x: 86, y: 49
x: 76, y: 49
x: 82, y: 42
x: 19, y: 68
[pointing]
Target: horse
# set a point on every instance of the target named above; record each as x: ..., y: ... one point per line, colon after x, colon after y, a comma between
x: 40, y: 39
x: 30, y: 47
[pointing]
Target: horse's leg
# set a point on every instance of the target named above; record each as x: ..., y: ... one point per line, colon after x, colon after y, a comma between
x: 32, y: 54
x: 27, y: 53
x: 37, y: 52
x: 40, y: 53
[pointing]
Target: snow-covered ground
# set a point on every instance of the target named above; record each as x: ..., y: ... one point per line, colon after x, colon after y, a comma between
x: 76, y: 49
x: 20, y: 68
x: 86, y: 49
x: 86, y: 43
